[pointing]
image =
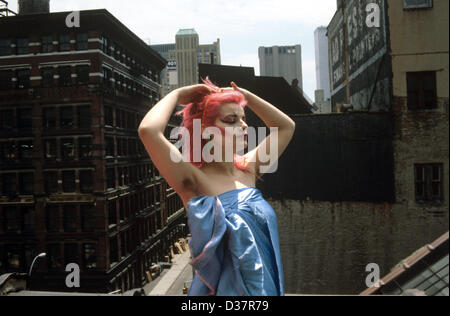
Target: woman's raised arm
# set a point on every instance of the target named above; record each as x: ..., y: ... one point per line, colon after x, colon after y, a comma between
x: 181, y: 176
x: 263, y: 156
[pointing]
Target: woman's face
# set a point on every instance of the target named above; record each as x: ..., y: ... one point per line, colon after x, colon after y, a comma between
x: 233, y: 115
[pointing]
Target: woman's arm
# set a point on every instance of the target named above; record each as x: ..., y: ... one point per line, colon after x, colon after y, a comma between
x: 263, y: 155
x: 181, y: 176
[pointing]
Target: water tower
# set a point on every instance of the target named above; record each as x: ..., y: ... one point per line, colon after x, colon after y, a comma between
x: 33, y: 6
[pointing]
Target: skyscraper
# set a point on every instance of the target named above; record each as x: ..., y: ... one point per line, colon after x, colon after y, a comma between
x: 183, y: 58
x: 282, y: 61
x: 322, y: 69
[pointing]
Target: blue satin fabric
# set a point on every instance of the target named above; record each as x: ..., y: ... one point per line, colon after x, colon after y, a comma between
x: 234, y: 245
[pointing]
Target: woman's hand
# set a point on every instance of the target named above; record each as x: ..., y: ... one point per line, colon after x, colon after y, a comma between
x: 193, y: 93
x: 234, y: 87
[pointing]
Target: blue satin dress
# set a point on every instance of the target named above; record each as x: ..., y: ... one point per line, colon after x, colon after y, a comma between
x: 234, y: 245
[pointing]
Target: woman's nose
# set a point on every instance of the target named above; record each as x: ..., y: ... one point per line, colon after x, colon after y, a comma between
x: 244, y: 125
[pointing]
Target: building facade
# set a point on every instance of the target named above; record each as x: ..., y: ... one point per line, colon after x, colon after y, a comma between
x: 419, y: 47
x: 183, y: 58
x: 76, y: 181
x: 359, y: 57
x: 282, y: 61
x: 322, y: 70
x: 369, y: 186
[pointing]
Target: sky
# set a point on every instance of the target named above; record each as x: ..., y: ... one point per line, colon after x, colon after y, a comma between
x: 242, y: 26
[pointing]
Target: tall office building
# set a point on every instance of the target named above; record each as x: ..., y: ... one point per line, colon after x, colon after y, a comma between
x: 322, y: 68
x: 183, y: 58
x: 282, y: 61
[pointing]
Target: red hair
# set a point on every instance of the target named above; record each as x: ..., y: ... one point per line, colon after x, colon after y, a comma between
x: 205, y: 107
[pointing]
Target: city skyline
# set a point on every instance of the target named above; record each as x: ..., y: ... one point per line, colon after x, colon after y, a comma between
x: 241, y: 27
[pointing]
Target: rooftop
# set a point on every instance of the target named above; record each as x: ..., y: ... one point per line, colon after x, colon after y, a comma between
x: 187, y: 32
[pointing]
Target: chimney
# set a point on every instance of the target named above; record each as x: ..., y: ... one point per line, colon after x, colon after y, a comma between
x: 33, y: 6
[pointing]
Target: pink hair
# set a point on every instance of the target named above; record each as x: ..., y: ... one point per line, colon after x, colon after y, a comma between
x: 206, y: 108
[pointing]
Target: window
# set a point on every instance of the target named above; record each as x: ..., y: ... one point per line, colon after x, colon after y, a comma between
x: 52, y: 213
x: 51, y: 182
x: 5, y: 47
x: 104, y: 44
x: 112, y: 213
x: 6, y: 79
x: 68, y: 181
x: 9, y: 181
x: 122, y: 209
x: 117, y: 52
x: 422, y: 92
x: 85, y: 148
x: 109, y: 116
x: 67, y: 149
x: 54, y: 259
x: 50, y: 149
x: 107, y: 77
x: 88, y: 218
x: 417, y: 4
x: 82, y: 41
x: 109, y: 146
x: 113, y: 250
x: 64, y: 43
x: 119, y: 147
x: 26, y: 183
x: 429, y: 182
x: 47, y: 77
x: 13, y: 257
x: 24, y: 119
x: 8, y: 151
x: 47, y: 44
x: 110, y: 178
x: 6, y: 119
x: 26, y: 150
x: 23, y: 78
x: 111, y: 49
x: 71, y: 254
x: 49, y: 117
x: 82, y: 74
x: 117, y: 80
x: 66, y: 116
x: 86, y: 179
x: 119, y: 118
x: 84, y: 117
x: 65, y: 76
x: 28, y: 218
x: 89, y: 256
x: 22, y: 46
x: 70, y: 218
x: 11, y: 219
x: 123, y: 245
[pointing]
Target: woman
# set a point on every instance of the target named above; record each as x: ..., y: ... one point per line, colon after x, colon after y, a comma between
x: 234, y: 244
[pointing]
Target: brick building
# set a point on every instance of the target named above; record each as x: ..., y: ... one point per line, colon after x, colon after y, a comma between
x: 76, y: 182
